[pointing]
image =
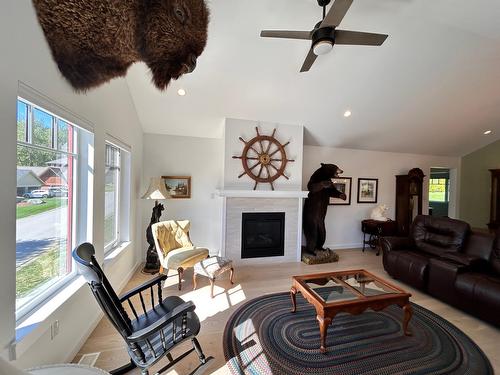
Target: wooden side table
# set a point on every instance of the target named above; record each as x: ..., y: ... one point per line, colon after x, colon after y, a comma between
x: 377, y: 229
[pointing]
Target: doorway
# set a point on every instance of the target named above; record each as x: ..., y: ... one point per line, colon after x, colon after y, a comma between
x: 439, y: 192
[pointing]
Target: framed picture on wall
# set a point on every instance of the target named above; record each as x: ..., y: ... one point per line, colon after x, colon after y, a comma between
x: 178, y: 186
x: 344, y: 185
x: 367, y: 190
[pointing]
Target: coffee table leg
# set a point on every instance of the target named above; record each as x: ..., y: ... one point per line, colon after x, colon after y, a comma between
x: 408, y: 312
x: 324, y: 322
x: 293, y: 293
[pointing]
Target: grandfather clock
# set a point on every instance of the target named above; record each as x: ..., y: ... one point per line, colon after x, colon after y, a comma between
x: 409, y: 194
x: 494, y: 223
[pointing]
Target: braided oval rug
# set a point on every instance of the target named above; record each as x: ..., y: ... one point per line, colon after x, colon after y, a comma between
x: 264, y: 337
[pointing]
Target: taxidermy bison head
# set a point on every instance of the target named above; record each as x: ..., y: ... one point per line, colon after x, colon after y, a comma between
x: 93, y: 41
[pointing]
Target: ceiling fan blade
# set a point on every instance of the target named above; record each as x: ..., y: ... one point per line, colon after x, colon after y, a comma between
x: 310, y: 59
x: 287, y: 34
x: 336, y: 13
x: 359, y: 38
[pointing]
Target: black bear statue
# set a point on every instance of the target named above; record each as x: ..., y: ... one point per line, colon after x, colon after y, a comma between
x: 321, y: 189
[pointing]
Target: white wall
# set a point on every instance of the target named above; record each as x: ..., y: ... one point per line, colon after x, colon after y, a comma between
x: 235, y: 128
x: 343, y: 223
x: 26, y: 58
x: 200, y: 158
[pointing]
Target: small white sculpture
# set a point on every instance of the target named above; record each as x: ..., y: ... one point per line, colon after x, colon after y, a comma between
x: 378, y: 213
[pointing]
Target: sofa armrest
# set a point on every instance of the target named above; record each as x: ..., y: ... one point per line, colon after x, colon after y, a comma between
x: 442, y: 277
x: 395, y: 243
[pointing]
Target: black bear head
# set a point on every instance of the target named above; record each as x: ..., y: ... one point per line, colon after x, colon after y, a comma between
x: 330, y: 170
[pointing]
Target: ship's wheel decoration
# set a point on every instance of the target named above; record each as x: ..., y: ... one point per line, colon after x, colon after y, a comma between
x: 264, y: 159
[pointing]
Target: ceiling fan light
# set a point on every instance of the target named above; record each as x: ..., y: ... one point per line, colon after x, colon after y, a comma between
x: 322, y: 47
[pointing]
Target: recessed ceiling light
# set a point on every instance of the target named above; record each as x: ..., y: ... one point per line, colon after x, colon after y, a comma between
x: 487, y: 132
x: 181, y: 92
x: 347, y: 113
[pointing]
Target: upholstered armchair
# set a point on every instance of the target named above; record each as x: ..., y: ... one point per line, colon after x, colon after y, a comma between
x: 174, y: 246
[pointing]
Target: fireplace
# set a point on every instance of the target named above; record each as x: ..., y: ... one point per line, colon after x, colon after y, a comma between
x: 262, y: 234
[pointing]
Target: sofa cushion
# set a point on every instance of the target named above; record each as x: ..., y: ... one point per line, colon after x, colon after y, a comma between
x: 495, y: 255
x: 172, y: 235
x: 480, y: 293
x: 408, y: 266
x: 479, y: 244
x: 436, y: 235
x: 185, y: 257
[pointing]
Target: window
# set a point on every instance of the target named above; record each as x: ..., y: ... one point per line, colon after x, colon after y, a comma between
x: 112, y: 197
x: 116, y: 196
x: 439, y: 189
x: 49, y: 149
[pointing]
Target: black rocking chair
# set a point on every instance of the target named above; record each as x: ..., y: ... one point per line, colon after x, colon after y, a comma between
x: 151, y: 335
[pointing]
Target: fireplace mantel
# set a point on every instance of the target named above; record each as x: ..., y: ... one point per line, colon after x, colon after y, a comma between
x: 262, y: 193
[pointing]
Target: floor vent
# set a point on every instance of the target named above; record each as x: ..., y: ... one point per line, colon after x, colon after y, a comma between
x: 89, y: 359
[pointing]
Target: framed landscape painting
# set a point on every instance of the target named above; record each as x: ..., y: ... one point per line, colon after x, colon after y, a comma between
x: 178, y: 186
x: 344, y: 185
x: 367, y: 190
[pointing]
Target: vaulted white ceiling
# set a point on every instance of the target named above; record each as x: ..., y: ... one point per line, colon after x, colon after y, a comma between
x: 433, y: 87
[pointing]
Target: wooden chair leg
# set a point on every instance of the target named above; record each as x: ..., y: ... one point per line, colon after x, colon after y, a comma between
x: 231, y: 274
x: 212, y: 283
x: 180, y: 271
x: 194, y: 280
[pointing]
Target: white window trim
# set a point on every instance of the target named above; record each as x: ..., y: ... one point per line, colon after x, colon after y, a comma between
x: 35, y: 99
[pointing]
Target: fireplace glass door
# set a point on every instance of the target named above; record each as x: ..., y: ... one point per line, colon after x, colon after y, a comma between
x: 263, y: 234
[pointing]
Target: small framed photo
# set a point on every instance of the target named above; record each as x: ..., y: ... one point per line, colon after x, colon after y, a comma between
x: 178, y: 186
x: 344, y: 185
x: 367, y: 190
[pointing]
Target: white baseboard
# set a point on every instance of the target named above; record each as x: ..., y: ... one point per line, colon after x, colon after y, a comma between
x: 342, y: 246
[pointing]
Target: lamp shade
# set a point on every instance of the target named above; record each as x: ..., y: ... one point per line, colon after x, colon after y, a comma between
x: 156, y: 190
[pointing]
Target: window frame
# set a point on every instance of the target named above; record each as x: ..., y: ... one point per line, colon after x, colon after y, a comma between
x: 124, y: 204
x: 53, y: 287
x: 112, y: 245
x: 446, y: 185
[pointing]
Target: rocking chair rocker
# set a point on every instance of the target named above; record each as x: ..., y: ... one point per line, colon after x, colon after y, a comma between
x: 151, y: 335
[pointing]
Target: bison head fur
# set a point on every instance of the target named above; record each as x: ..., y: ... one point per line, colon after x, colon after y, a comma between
x: 93, y: 41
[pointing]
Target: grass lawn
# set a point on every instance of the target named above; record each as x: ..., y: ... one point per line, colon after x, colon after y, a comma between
x: 50, y: 204
x: 37, y: 272
x: 109, y: 229
x: 436, y: 196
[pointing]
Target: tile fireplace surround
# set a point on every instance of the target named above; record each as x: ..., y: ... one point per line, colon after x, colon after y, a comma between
x: 236, y: 202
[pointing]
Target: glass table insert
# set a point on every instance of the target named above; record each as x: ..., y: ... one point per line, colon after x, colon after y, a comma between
x: 343, y: 286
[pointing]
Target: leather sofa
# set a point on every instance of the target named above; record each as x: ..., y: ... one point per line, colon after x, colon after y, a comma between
x: 451, y: 262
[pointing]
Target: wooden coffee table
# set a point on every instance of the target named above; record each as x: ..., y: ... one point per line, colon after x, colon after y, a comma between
x: 348, y: 291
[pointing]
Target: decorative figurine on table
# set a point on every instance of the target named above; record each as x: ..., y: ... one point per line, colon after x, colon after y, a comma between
x: 378, y: 213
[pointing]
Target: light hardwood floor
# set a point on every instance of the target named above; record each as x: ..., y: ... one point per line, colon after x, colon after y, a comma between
x: 254, y: 281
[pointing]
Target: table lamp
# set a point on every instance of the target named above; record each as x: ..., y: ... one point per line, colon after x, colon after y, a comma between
x: 156, y: 191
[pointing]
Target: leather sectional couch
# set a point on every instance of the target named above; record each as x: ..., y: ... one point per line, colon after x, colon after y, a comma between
x: 451, y: 262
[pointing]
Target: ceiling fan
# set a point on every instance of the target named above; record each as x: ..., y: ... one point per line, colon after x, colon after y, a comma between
x: 325, y: 34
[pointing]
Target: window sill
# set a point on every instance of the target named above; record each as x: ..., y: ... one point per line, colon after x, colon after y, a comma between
x: 112, y: 256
